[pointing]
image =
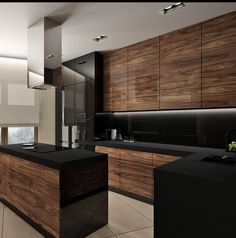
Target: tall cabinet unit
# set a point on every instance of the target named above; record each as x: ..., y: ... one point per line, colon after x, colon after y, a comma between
x: 180, y: 69
x: 143, y: 75
x: 218, y: 62
x: 115, y: 80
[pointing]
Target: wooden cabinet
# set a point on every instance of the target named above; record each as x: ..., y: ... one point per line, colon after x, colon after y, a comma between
x: 45, y: 197
x: 113, y: 165
x: 132, y: 171
x: 115, y: 80
x: 136, y: 173
x: 143, y: 75
x: 218, y: 62
x: 180, y: 69
x: 19, y: 184
x: 160, y: 159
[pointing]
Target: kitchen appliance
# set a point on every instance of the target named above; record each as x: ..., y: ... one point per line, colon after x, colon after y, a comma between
x: 113, y: 134
x: 44, y: 53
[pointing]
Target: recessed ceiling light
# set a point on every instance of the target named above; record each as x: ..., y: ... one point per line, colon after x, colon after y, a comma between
x: 99, y: 38
x: 172, y: 7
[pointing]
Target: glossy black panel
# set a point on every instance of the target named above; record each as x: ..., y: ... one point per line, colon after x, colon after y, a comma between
x: 205, y: 128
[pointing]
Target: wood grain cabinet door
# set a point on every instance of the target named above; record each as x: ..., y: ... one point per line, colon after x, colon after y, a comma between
x: 45, y: 197
x: 180, y: 68
x: 19, y: 184
x: 115, y: 80
x: 113, y: 165
x: 143, y: 75
x: 219, y: 62
x: 136, y: 174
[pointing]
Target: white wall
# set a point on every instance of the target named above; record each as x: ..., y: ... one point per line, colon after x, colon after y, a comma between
x: 47, y: 114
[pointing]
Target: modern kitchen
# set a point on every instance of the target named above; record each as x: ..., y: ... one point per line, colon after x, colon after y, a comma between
x: 117, y: 119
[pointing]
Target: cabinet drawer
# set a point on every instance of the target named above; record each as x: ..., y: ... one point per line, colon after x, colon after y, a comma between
x: 112, y: 152
x: 160, y: 159
x: 137, y: 157
x: 114, y: 173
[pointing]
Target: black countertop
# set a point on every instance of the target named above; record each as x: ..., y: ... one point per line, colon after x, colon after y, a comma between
x: 178, y: 150
x: 193, y: 166
x: 51, y: 156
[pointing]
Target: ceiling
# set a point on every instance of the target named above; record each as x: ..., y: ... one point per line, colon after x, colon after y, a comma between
x: 124, y: 23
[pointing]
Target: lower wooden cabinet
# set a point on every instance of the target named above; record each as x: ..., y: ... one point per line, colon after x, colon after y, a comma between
x: 136, y: 172
x: 132, y: 171
x: 113, y: 165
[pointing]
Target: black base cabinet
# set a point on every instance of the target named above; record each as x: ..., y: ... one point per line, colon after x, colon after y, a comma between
x: 192, y: 207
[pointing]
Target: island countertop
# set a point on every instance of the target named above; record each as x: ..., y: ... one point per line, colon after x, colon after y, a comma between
x: 52, y: 156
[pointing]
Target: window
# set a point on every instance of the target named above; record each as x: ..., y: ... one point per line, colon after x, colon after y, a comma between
x: 20, y: 135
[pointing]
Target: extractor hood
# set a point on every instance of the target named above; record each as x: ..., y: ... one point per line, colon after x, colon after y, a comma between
x: 44, y: 53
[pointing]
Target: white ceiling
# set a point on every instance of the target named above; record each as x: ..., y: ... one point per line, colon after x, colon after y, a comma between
x: 124, y: 23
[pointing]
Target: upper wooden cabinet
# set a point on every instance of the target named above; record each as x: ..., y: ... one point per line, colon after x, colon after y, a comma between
x: 180, y: 69
x: 219, y: 62
x: 115, y: 81
x: 143, y: 75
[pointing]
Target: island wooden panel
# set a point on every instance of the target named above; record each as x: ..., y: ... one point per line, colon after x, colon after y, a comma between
x: 113, y: 165
x: 218, y: 62
x: 136, y: 174
x: 19, y: 184
x: 115, y: 80
x: 45, y: 197
x: 143, y: 75
x: 4, y: 165
x: 161, y: 159
x: 180, y: 68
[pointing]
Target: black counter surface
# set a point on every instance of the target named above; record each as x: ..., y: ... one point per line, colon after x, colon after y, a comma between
x: 178, y: 150
x: 51, y: 156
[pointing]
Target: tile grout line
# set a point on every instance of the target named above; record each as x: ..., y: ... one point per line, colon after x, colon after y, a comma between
x: 133, y: 231
x: 134, y: 208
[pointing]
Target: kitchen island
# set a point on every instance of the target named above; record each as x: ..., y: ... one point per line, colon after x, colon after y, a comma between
x: 60, y: 192
x: 195, y: 198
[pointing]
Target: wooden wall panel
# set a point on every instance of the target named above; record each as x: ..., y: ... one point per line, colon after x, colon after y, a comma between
x: 115, y: 80
x: 143, y: 75
x: 180, y: 69
x: 219, y: 62
x: 45, y: 197
x: 113, y: 165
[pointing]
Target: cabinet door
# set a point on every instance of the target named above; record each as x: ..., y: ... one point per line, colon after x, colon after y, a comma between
x: 143, y: 75
x: 45, y: 197
x: 160, y: 159
x: 115, y: 80
x: 19, y: 184
x: 68, y: 73
x: 69, y: 105
x: 180, y: 69
x: 218, y: 62
x: 113, y: 165
x: 136, y: 174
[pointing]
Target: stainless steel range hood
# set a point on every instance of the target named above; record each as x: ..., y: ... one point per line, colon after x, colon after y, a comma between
x: 44, y: 53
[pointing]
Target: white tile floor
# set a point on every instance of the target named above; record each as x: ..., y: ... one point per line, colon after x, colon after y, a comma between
x: 128, y: 218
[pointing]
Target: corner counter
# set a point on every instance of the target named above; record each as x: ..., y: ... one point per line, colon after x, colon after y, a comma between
x: 62, y: 193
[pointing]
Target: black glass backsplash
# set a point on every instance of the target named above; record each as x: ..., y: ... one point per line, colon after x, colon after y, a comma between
x: 206, y: 128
